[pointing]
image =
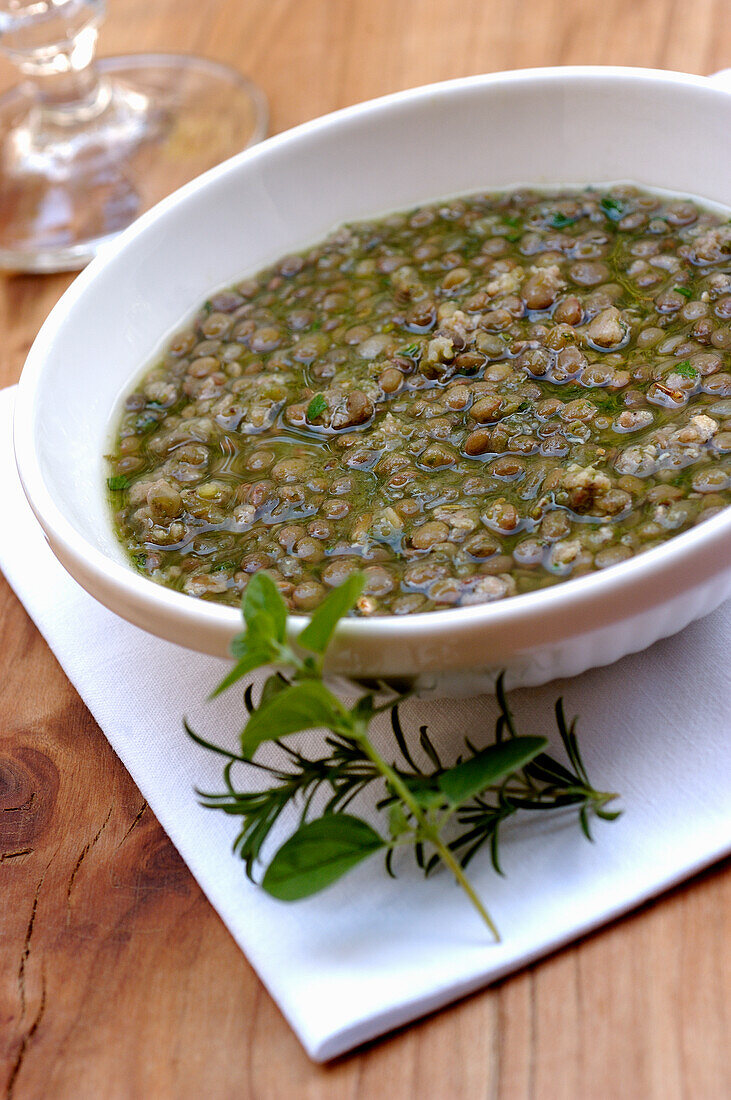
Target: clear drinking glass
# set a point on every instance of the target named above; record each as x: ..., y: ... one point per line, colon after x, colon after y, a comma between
x: 86, y: 145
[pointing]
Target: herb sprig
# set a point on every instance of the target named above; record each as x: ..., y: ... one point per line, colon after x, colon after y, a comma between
x: 444, y: 814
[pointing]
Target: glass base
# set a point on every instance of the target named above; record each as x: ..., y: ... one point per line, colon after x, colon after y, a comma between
x: 72, y: 178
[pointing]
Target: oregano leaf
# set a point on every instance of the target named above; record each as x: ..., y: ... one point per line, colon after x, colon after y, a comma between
x: 317, y: 634
x: 251, y: 657
x: 473, y: 776
x: 318, y: 854
x: 265, y: 612
x: 302, y: 706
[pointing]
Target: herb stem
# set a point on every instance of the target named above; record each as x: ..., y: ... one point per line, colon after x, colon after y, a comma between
x: 453, y: 864
x: 428, y: 831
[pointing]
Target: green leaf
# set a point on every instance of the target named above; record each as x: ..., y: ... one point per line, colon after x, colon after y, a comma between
x: 145, y: 421
x: 240, y: 644
x: 262, y: 632
x: 398, y: 822
x: 568, y: 736
x: 316, y: 407
x: 684, y: 369
x: 223, y: 565
x: 318, y: 854
x: 684, y: 290
x: 613, y: 208
x: 255, y: 656
x: 547, y: 770
x: 304, y: 706
x: 118, y: 483
x: 265, y: 612
x: 560, y: 221
x: 365, y: 708
x: 425, y: 793
x: 273, y: 685
x: 493, y: 764
x: 316, y: 635
x: 428, y: 746
x: 411, y: 351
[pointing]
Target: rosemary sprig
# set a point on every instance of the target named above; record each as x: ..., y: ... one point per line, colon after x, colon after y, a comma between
x: 445, y: 814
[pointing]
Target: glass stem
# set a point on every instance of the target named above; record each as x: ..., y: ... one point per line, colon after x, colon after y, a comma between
x: 73, y: 97
x: 53, y: 43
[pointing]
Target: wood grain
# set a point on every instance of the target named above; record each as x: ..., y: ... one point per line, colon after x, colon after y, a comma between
x: 118, y: 979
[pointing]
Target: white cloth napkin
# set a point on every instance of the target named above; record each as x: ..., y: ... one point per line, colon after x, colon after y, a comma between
x: 370, y: 954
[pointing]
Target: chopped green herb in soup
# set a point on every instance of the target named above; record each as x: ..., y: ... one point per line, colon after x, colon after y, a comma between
x: 474, y: 399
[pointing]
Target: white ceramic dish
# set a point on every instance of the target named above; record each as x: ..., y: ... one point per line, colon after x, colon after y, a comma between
x: 577, y: 126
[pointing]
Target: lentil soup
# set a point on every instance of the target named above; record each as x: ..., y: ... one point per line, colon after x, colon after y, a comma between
x: 477, y: 398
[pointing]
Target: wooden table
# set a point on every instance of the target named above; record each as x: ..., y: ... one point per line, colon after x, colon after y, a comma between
x: 118, y: 979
